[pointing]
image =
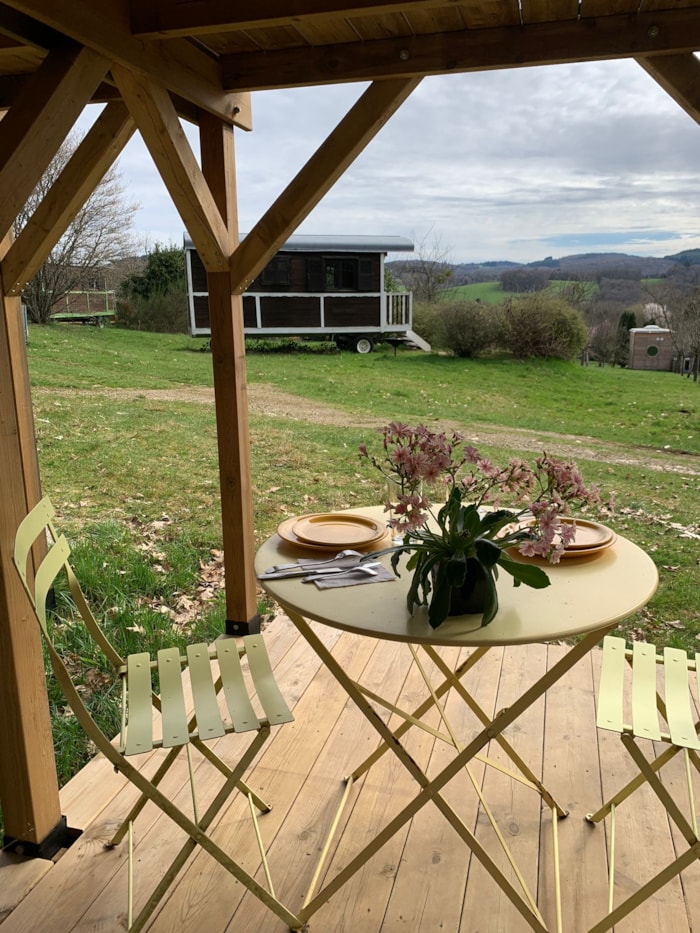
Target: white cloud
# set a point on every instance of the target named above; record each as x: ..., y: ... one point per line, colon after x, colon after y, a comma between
x: 515, y: 164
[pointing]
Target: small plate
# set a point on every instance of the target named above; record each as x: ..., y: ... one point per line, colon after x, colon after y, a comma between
x: 286, y: 532
x: 588, y: 534
x: 588, y: 551
x: 338, y: 528
x: 591, y: 538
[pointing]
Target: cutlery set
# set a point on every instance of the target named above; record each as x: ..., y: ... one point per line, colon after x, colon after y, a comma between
x: 346, y: 562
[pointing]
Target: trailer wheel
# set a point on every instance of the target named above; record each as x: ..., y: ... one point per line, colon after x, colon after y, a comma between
x: 363, y: 345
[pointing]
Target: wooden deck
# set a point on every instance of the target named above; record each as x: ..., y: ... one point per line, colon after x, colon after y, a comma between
x: 423, y: 879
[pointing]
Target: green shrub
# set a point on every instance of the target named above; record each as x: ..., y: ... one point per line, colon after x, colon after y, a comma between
x: 163, y: 312
x: 427, y: 322
x: 288, y: 345
x: 542, y: 326
x: 469, y: 327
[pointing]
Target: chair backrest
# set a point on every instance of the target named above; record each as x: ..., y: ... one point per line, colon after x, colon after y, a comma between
x: 39, y: 525
x: 38, y: 582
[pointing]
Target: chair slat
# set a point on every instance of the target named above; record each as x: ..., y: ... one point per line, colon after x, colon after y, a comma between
x: 612, y: 676
x: 206, y: 709
x: 47, y: 572
x: 240, y: 708
x: 31, y: 526
x: 678, y: 713
x: 645, y: 718
x: 139, y: 731
x: 266, y: 687
x: 172, y: 697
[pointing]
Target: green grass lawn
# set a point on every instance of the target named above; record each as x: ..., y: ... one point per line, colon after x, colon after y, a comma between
x: 134, y: 474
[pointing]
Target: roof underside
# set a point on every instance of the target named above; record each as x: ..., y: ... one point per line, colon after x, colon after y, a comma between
x: 304, y: 243
x: 208, y: 50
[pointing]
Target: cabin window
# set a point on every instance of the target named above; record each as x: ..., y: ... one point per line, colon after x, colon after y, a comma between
x: 276, y: 272
x: 341, y: 275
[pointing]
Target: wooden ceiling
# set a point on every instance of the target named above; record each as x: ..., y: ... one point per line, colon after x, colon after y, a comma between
x: 207, y: 53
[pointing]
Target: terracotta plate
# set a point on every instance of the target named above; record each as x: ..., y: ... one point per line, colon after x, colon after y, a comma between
x: 588, y: 534
x: 286, y: 532
x: 338, y: 528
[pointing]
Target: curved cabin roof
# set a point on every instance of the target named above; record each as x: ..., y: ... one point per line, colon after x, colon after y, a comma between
x: 305, y: 243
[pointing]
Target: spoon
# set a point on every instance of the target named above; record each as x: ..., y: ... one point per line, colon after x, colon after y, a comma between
x: 311, y: 562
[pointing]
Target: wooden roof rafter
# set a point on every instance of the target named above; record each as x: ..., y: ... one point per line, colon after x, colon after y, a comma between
x: 468, y: 50
x: 158, y: 18
x: 182, y: 67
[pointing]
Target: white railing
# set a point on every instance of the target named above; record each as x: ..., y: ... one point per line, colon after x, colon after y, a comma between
x: 398, y: 309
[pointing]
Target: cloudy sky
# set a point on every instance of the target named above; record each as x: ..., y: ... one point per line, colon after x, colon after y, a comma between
x: 516, y: 165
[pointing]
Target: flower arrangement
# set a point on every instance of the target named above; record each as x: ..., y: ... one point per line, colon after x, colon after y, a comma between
x: 488, y: 511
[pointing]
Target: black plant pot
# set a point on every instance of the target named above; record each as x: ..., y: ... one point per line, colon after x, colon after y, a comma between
x: 471, y: 597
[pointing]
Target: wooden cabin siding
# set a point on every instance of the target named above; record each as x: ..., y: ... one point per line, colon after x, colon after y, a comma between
x: 285, y: 312
x: 352, y: 311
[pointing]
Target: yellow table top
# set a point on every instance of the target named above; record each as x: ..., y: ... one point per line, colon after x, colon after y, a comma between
x: 586, y: 593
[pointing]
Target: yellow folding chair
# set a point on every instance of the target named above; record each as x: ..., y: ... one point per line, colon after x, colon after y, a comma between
x: 220, y: 699
x: 670, y: 697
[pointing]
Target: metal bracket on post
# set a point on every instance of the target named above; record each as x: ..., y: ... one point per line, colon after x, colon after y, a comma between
x: 237, y: 629
x: 61, y: 836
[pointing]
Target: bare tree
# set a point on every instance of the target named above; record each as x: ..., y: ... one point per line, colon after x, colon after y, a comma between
x: 100, y: 234
x: 431, y: 271
x: 677, y: 306
x: 683, y: 320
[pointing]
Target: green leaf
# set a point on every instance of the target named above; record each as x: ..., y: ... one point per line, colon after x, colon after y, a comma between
x: 494, y: 521
x: 488, y: 552
x: 491, y: 599
x: 439, y: 604
x: 529, y: 574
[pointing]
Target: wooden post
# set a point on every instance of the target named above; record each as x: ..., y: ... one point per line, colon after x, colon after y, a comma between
x: 231, y: 391
x: 28, y: 781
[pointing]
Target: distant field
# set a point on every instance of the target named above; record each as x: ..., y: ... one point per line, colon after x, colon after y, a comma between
x: 492, y: 293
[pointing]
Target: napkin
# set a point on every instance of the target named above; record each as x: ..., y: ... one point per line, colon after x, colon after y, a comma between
x: 352, y: 579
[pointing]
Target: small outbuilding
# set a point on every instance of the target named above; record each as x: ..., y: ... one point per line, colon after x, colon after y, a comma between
x: 651, y: 347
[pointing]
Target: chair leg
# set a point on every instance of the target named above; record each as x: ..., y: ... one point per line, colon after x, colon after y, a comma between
x: 221, y: 765
x: 632, y: 786
x: 648, y: 774
x: 198, y: 836
x: 163, y: 768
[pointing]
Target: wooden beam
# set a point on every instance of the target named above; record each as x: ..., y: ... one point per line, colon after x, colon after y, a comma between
x: 28, y: 781
x: 592, y: 39
x: 230, y: 393
x: 83, y: 172
x: 360, y: 125
x: 39, y: 120
x: 198, y: 17
x: 178, y: 65
x: 157, y: 121
x: 679, y: 76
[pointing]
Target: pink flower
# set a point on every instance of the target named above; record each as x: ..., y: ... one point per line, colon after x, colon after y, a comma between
x: 543, y: 490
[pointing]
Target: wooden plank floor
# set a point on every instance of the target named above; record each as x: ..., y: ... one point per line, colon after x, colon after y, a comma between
x: 422, y: 880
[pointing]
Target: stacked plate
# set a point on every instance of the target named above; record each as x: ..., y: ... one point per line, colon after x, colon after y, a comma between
x: 324, y: 531
x: 591, y: 537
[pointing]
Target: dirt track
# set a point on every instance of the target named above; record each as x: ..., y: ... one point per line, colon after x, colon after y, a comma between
x: 268, y: 400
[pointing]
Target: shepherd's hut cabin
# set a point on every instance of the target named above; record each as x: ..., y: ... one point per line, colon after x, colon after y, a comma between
x: 318, y: 287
